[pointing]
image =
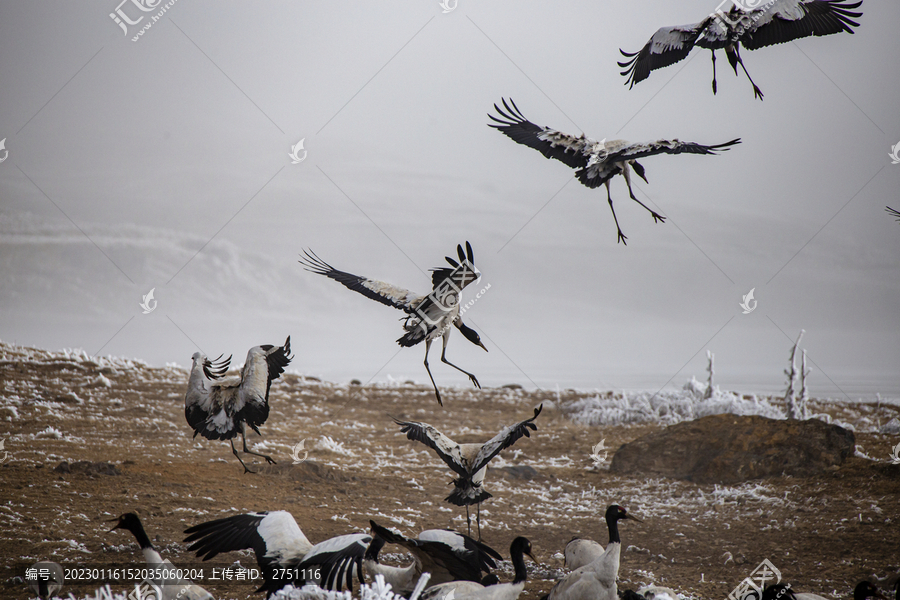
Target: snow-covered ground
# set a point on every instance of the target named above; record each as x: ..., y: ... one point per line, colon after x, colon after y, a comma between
x: 69, y: 406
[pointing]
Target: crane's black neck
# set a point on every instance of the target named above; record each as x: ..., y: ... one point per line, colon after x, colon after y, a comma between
x: 517, y: 555
x: 469, y: 333
x: 864, y: 590
x: 140, y: 535
x: 518, y: 561
x: 778, y: 591
x: 612, y: 522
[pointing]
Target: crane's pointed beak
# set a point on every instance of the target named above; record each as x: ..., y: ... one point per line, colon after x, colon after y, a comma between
x: 482, y: 345
x: 632, y: 517
x: 117, y: 521
x: 531, y: 556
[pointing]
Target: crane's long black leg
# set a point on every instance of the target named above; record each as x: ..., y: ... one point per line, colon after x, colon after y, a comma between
x: 622, y: 237
x: 757, y: 93
x: 237, y: 456
x: 269, y: 459
x: 478, y: 520
x: 468, y: 522
x: 472, y: 377
x: 427, y: 368
x: 656, y: 216
x: 714, y: 72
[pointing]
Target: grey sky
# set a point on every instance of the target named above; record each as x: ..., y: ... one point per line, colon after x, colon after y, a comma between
x: 127, y: 158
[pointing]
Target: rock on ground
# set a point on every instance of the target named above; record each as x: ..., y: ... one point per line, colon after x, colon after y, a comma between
x: 730, y: 449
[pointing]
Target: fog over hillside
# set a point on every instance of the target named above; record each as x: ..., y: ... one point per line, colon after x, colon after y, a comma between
x: 164, y: 164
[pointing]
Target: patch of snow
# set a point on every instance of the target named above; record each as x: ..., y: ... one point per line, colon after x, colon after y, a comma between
x: 329, y: 444
x: 666, y: 407
x: 892, y: 427
x: 51, y: 433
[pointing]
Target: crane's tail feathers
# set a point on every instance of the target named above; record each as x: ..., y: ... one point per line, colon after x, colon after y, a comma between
x: 411, y: 338
x: 583, y: 175
x: 466, y: 496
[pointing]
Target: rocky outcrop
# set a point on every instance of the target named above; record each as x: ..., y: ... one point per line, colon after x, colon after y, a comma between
x: 731, y: 449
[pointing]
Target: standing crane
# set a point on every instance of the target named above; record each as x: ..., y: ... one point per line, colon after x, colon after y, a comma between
x: 597, y: 579
x: 164, y: 577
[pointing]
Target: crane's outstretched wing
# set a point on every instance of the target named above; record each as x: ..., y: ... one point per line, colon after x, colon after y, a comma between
x: 196, y: 398
x: 634, y: 151
x: 666, y: 47
x: 446, y: 449
x: 379, y: 291
x: 443, y: 560
x: 273, y: 536
x: 337, y: 559
x: 464, y: 546
x: 549, y: 142
x: 789, y: 20
x: 277, y: 358
x: 463, y: 272
x: 505, y: 439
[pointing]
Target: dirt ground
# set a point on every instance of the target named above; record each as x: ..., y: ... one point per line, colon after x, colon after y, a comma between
x: 823, y: 533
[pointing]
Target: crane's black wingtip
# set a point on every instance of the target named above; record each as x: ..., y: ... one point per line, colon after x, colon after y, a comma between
x: 406, y: 426
x: 312, y: 263
x: 727, y: 145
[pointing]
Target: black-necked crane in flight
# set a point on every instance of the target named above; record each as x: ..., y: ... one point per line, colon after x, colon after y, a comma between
x: 428, y: 317
x: 469, y: 461
x: 596, y: 163
x: 893, y: 213
x: 223, y: 409
x: 775, y: 22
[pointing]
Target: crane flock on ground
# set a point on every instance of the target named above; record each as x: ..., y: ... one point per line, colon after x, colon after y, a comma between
x: 460, y: 566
